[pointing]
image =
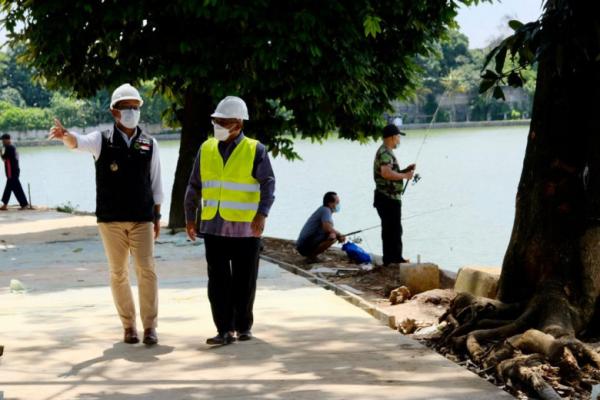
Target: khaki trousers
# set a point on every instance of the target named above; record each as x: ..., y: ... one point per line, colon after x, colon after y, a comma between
x: 120, y: 239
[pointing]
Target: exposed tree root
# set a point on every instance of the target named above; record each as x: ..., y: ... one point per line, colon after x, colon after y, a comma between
x: 523, y: 372
x: 530, y: 349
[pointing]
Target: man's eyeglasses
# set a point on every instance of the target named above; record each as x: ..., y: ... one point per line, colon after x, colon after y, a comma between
x: 122, y: 108
x: 224, y: 122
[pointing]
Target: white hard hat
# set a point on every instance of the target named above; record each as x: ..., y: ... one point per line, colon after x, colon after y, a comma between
x: 125, y: 92
x: 231, y: 107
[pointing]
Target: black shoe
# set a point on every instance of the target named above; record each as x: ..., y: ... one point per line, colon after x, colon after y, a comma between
x: 243, y: 336
x: 221, y: 339
x: 150, y: 337
x: 395, y: 264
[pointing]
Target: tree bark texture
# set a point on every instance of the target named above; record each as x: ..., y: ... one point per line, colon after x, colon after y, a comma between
x: 550, y: 281
x: 554, y: 249
x: 195, y: 126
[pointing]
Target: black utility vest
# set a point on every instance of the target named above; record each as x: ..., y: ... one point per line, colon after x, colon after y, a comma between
x: 123, y: 185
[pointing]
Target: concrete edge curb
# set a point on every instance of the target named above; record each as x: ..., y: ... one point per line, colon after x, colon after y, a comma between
x: 373, y: 310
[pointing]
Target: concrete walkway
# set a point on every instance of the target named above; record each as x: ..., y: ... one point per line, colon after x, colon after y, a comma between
x: 62, y: 337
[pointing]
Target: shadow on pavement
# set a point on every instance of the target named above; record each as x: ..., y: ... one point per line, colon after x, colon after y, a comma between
x: 120, y: 350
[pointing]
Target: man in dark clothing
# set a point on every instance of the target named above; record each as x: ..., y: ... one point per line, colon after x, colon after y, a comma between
x: 10, y: 156
x: 318, y: 233
x: 232, y: 188
x: 388, y: 191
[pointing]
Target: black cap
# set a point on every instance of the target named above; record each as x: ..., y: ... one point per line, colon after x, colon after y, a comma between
x: 391, y: 130
x: 5, y: 136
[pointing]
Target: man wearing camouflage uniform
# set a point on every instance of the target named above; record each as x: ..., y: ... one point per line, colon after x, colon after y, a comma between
x: 388, y: 191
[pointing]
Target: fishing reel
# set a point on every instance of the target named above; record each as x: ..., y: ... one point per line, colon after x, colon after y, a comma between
x: 416, y: 178
x: 355, y: 239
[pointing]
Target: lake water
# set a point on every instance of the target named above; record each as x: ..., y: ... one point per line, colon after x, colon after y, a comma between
x: 461, y: 212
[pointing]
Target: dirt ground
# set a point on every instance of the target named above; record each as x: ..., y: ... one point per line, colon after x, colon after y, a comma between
x: 373, y: 285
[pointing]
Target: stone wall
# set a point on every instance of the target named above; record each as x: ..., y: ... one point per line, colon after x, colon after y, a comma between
x: 39, y: 135
x: 470, y: 124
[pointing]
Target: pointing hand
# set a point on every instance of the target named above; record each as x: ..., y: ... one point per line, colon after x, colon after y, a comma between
x: 58, y: 131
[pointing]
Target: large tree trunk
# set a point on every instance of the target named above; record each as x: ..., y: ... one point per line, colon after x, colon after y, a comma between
x: 195, y: 125
x: 550, y: 282
x: 551, y: 251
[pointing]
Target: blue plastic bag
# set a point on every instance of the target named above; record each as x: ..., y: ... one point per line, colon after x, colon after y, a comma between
x: 356, y: 253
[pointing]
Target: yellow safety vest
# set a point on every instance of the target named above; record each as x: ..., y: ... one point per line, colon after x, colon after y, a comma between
x: 230, y: 188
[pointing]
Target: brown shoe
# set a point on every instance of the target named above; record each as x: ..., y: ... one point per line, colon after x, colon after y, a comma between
x: 150, y: 337
x: 131, y: 336
x: 4, y: 208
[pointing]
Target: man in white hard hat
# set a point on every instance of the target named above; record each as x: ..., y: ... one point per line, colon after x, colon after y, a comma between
x: 128, y: 197
x: 232, y: 185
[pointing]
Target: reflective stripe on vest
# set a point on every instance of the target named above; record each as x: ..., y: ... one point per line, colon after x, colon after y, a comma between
x: 230, y: 204
x: 242, y: 187
x: 229, y: 189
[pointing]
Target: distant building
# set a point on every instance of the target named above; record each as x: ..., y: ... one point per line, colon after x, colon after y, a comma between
x: 460, y: 107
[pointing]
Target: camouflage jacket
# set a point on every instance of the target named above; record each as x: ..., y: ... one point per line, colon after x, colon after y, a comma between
x: 392, y: 189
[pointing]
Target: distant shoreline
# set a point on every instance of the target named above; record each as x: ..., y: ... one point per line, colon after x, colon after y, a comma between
x: 469, y: 124
x: 437, y: 125
x: 45, y: 142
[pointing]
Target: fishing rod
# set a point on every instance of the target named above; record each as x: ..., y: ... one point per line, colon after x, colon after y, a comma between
x: 409, y: 217
x: 429, y: 212
x: 362, y: 230
x: 417, y: 177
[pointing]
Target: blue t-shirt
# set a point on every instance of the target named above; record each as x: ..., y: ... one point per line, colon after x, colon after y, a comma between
x: 313, y: 228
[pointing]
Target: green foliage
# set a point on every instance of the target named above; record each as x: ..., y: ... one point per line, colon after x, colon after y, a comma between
x: 337, y: 65
x: 12, y: 96
x: 454, y: 70
x: 15, y: 76
x: 21, y: 93
x: 283, y: 144
x: 96, y: 109
x: 20, y: 88
x: 509, y: 68
x: 155, y: 104
x: 70, y: 111
x: 372, y: 25
x: 23, y: 118
x: 68, y: 208
x: 561, y: 39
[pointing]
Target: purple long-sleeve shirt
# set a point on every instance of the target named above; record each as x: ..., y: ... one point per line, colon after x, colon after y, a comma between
x: 261, y: 171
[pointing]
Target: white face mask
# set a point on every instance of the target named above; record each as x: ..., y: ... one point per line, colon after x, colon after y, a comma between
x: 129, y: 118
x: 221, y: 134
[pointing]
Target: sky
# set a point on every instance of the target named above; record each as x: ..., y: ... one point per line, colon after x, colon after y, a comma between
x: 480, y: 23
x: 486, y: 21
